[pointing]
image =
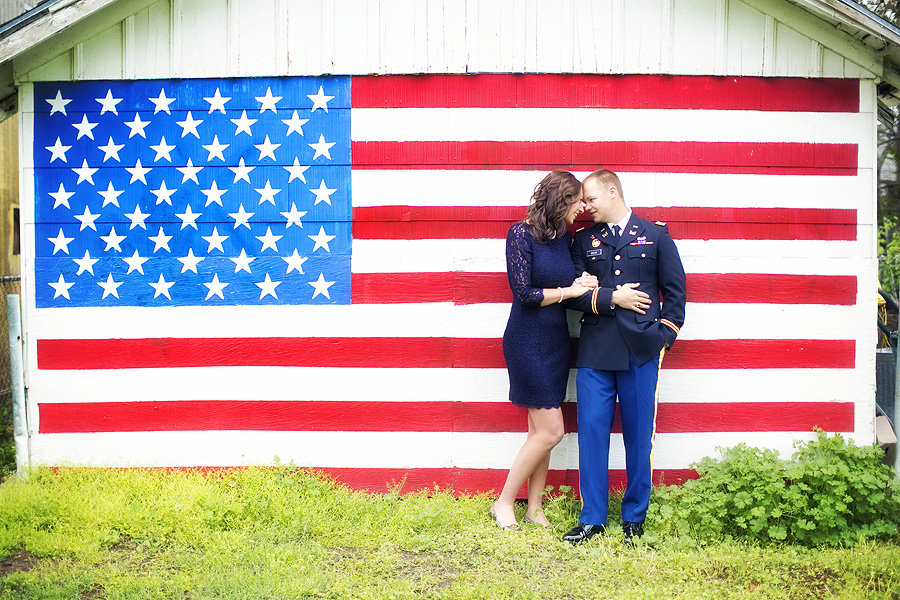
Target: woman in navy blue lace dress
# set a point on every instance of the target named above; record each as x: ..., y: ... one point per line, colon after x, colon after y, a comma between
x: 536, y: 342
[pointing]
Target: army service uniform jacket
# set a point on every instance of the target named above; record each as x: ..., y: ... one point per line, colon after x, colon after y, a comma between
x: 645, y: 254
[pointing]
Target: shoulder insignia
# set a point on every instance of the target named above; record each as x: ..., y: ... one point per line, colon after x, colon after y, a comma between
x: 579, y: 229
x: 660, y: 223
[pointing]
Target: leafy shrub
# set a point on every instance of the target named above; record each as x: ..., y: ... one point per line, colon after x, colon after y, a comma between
x: 831, y: 492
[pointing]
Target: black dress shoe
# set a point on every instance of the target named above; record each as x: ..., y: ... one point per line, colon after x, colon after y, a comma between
x: 632, y: 530
x: 583, y: 532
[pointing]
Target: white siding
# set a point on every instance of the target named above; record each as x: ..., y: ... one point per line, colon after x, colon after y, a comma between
x: 206, y: 38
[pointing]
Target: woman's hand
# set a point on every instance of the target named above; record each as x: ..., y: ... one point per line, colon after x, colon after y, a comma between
x: 626, y: 296
x: 587, y: 280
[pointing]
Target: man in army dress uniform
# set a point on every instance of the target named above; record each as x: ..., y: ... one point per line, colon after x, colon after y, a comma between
x: 628, y: 323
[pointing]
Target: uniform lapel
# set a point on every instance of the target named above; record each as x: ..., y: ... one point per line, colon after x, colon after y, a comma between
x: 630, y: 233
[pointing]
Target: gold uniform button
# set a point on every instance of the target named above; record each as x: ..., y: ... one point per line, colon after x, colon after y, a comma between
x: 618, y: 257
x: 618, y: 272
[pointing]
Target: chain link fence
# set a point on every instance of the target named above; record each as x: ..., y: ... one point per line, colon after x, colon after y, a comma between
x: 8, y: 285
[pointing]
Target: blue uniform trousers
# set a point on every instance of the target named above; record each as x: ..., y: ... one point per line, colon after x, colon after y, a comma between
x: 597, y: 391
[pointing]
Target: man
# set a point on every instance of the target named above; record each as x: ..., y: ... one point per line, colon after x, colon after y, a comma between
x: 624, y: 332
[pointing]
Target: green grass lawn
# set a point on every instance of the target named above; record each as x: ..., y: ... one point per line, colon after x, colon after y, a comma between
x: 281, y: 533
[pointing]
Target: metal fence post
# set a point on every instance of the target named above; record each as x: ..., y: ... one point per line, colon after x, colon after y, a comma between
x: 20, y: 417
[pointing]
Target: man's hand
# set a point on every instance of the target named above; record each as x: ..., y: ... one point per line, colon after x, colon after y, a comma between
x: 628, y: 297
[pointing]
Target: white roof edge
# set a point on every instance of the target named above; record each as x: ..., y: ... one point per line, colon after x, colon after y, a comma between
x: 47, y: 25
x: 854, y: 15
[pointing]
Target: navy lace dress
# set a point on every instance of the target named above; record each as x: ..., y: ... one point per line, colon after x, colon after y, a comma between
x: 536, y: 342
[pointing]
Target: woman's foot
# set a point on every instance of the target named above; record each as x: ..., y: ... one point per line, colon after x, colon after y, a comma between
x: 537, y: 518
x: 504, y: 516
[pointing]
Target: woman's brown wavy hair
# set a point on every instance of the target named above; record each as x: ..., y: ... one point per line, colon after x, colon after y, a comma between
x: 546, y: 217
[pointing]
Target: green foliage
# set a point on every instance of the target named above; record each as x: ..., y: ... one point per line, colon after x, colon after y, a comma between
x: 831, y: 492
x: 889, y: 254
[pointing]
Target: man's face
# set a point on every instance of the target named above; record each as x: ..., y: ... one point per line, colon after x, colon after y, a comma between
x: 598, y: 200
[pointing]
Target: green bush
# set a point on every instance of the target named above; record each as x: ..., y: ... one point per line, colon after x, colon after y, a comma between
x: 831, y: 492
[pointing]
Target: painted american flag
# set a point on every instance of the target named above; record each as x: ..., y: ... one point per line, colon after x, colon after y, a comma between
x: 230, y: 270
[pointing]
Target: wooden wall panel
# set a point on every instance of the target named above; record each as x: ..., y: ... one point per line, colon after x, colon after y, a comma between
x: 101, y: 56
x: 795, y: 53
x: 746, y: 43
x: 148, y: 41
x: 201, y: 37
x: 252, y: 27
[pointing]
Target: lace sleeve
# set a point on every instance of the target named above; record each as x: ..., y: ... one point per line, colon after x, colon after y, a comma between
x: 518, y: 267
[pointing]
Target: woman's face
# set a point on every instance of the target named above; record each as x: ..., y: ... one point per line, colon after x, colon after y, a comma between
x: 575, y: 207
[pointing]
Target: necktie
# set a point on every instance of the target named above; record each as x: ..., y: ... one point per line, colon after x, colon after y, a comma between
x: 615, y: 232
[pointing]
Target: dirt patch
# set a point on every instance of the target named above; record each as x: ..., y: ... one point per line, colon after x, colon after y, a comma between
x: 22, y: 561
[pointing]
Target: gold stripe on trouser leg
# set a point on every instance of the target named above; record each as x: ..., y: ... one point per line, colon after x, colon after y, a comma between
x: 655, y: 408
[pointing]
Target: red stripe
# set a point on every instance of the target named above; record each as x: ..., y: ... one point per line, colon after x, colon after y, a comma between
x: 488, y: 417
x: 464, y: 222
x: 732, y: 288
x: 606, y: 91
x: 476, y: 353
x: 759, y: 158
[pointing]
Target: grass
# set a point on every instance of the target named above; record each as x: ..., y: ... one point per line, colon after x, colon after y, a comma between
x: 282, y: 534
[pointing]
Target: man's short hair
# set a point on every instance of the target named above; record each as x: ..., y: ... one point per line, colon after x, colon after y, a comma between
x: 608, y: 179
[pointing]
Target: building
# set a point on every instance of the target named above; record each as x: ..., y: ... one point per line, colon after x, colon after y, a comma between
x: 748, y: 125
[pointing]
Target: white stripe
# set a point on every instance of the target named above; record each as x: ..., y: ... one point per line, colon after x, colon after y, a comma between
x: 363, y: 449
x: 514, y: 188
x: 591, y: 124
x: 706, y: 321
x: 421, y: 385
x: 803, y: 257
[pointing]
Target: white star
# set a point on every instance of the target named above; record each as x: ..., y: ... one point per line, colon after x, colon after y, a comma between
x: 267, y: 287
x: 242, y: 262
x: 293, y: 216
x: 137, y: 127
x: 161, y: 103
x: 188, y: 218
x: 241, y: 171
x: 61, y: 288
x: 215, y: 149
x: 87, y: 219
x: 322, y: 148
x: 294, y: 261
x: 137, y: 218
x: 113, y: 240
x: 295, y: 123
x: 267, y: 148
x: 323, y: 193
x: 61, y: 242
x: 296, y: 170
x: 85, y: 264
x: 189, y: 125
x: 138, y: 171
x: 110, y: 286
x: 213, y: 194
x: 215, y: 287
x: 61, y: 197
x: 163, y: 150
x: 321, y: 286
x: 241, y: 217
x: 215, y: 240
x: 269, y: 240
x: 243, y: 124
x: 189, y: 171
x: 217, y: 102
x: 267, y: 193
x: 163, y: 194
x: 319, y: 100
x: 189, y: 262
x: 85, y: 173
x: 58, y: 151
x: 162, y: 287
x: 321, y: 239
x: 111, y: 195
x: 58, y: 104
x: 268, y: 101
x: 160, y: 240
x: 108, y: 103
x: 135, y: 262
x: 111, y: 150
x: 84, y: 128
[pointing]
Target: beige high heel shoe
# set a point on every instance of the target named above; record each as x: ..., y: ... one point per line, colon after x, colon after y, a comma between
x: 538, y: 518
x: 506, y: 527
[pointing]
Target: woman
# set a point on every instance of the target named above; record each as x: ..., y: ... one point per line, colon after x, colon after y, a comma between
x: 536, y: 342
